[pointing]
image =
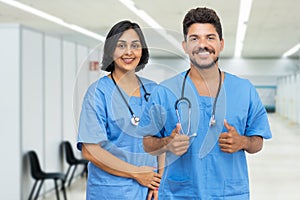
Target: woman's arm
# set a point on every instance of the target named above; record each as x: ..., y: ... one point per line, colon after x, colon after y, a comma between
x: 153, y: 194
x: 103, y: 159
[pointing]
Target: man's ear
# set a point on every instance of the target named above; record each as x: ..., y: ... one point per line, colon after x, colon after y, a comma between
x: 222, y: 44
x: 184, y: 46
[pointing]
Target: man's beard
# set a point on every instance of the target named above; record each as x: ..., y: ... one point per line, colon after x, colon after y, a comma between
x: 199, y: 66
x: 203, y: 66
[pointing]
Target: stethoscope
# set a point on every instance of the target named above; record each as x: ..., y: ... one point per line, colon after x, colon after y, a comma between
x: 183, y: 99
x: 134, y: 119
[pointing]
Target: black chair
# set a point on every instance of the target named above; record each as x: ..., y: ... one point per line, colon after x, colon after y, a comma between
x: 39, y: 175
x: 73, y: 161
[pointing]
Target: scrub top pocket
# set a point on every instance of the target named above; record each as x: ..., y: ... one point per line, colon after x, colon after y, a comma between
x: 115, y: 192
x: 178, y: 188
x: 223, y: 180
x: 179, y: 180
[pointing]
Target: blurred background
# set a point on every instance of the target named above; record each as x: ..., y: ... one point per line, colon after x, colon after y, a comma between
x: 50, y: 53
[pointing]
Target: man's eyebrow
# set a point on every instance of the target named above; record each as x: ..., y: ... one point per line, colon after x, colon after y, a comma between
x: 195, y: 35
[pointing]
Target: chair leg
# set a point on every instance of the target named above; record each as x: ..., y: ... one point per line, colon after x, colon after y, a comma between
x: 38, y: 191
x: 70, y: 180
x: 64, y: 189
x: 84, y: 171
x: 56, y: 189
x: 32, y: 190
x: 68, y: 171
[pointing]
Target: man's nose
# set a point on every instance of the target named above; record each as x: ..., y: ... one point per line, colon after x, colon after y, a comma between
x: 202, y: 42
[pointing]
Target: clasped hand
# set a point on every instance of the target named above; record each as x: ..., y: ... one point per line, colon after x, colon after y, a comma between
x: 146, y: 176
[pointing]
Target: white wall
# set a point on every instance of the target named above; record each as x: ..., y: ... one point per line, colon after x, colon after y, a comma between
x: 288, y: 98
x: 32, y: 99
x: 38, y: 76
x: 82, y: 79
x: 96, y: 54
x: 52, y: 104
x: 298, y: 97
x: 159, y: 69
x: 10, y: 77
x: 68, y: 86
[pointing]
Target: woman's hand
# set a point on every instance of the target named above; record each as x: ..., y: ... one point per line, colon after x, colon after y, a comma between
x: 152, y: 195
x: 146, y: 176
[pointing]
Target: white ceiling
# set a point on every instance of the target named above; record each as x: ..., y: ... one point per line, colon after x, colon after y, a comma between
x: 273, y: 27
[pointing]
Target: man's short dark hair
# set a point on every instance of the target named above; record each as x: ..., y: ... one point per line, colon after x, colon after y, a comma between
x: 202, y: 15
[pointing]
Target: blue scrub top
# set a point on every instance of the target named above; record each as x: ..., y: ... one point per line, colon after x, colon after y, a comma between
x: 214, y: 175
x: 105, y: 120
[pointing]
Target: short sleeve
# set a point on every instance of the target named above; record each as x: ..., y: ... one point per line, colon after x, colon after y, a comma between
x: 257, y: 122
x: 92, y: 120
x: 154, y: 116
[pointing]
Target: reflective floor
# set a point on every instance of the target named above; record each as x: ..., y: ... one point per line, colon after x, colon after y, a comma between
x: 274, y: 172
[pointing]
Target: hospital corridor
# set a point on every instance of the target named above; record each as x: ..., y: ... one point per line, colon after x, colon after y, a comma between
x: 90, y: 88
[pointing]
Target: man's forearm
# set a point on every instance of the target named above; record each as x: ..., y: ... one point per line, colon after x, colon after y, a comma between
x: 253, y: 144
x: 155, y: 145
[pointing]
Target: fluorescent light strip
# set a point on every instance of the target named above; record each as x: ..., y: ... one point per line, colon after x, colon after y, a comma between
x: 53, y: 19
x: 291, y: 51
x: 244, y: 13
x: 151, y: 22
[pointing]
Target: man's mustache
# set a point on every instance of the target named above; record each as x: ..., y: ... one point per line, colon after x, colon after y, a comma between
x: 199, y: 50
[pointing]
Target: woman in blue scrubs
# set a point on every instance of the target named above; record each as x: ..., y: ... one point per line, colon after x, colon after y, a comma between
x: 118, y: 168
x: 221, y: 118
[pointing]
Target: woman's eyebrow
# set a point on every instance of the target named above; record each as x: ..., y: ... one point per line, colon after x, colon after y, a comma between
x: 126, y: 41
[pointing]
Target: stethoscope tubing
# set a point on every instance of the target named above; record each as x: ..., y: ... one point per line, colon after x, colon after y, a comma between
x: 185, y: 99
x: 135, y: 119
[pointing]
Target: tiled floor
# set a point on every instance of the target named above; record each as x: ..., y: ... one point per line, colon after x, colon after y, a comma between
x: 274, y: 172
x: 75, y: 192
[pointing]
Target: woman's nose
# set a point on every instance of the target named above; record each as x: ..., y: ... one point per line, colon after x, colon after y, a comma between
x: 128, y: 50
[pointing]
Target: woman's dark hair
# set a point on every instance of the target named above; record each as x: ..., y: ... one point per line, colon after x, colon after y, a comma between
x: 202, y: 15
x: 112, y: 38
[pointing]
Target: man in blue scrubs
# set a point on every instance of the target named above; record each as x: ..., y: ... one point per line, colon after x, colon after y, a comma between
x: 204, y: 120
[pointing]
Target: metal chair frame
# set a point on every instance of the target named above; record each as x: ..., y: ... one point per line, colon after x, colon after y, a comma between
x: 40, y: 176
x: 73, y: 161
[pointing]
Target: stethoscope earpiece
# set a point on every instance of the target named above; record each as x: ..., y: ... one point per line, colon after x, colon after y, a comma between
x: 193, y: 135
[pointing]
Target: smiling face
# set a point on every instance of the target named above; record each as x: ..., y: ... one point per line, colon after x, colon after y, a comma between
x: 128, y: 51
x: 203, y: 45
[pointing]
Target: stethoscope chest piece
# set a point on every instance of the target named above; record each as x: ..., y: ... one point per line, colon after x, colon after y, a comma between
x: 135, y: 120
x: 212, y: 121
